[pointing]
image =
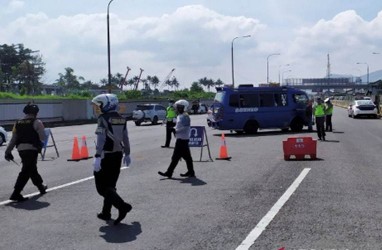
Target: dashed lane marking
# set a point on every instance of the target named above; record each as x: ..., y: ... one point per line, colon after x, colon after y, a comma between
x: 264, y: 222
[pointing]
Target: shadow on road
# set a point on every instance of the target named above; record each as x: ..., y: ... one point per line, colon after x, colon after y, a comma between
x: 30, y: 204
x: 330, y: 141
x: 263, y: 133
x: 305, y: 159
x: 121, y: 233
x: 194, y: 181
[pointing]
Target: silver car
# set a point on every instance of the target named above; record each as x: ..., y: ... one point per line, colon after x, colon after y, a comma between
x: 3, y: 136
x: 149, y: 113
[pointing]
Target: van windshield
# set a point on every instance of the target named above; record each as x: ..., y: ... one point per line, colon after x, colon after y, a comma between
x: 219, y: 96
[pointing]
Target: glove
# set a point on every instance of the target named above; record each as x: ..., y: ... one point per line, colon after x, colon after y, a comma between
x: 9, y: 157
x: 127, y: 160
x: 97, y: 164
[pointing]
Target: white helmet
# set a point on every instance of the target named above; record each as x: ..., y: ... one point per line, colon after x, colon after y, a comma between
x: 106, y: 102
x: 181, y: 103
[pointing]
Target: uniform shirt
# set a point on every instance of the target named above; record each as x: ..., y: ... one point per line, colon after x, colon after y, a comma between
x: 182, y: 127
x: 112, y: 134
x: 37, y: 125
x: 170, y: 113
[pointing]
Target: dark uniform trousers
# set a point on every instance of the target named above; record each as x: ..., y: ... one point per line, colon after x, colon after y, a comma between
x: 182, y: 150
x: 320, y: 123
x: 28, y: 170
x: 169, y: 129
x: 106, y: 181
x: 329, y: 123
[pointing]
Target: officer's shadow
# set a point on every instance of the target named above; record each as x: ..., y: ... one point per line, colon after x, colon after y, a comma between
x: 30, y: 204
x: 120, y: 233
x: 194, y: 181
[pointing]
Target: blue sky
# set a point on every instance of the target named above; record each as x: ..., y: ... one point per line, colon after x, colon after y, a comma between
x: 195, y: 37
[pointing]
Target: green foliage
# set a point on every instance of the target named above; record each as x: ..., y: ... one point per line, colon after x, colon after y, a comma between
x: 130, y: 95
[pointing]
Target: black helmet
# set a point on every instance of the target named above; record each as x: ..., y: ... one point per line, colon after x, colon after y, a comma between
x: 31, y: 108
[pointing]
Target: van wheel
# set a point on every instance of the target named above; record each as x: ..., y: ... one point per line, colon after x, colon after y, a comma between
x: 296, y: 125
x: 155, y: 120
x: 239, y: 132
x: 251, y: 127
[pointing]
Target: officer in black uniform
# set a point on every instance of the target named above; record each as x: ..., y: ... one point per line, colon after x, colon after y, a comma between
x: 112, y: 142
x: 28, y: 136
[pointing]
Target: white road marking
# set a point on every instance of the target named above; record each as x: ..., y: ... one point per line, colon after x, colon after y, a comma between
x: 55, y: 188
x: 264, y: 222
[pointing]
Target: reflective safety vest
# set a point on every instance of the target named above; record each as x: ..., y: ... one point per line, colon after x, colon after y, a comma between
x: 171, y: 114
x: 329, y: 109
x: 319, y: 110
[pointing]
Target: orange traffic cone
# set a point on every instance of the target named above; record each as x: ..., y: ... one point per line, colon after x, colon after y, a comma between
x: 84, y: 149
x: 223, y: 154
x: 76, y: 151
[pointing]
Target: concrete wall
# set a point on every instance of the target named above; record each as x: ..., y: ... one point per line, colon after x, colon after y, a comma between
x: 64, y: 110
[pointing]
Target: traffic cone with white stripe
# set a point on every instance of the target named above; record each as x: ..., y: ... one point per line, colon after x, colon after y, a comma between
x: 84, y: 149
x: 223, y: 154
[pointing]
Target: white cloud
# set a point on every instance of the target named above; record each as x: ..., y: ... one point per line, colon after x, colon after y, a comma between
x: 14, y: 5
x: 196, y: 41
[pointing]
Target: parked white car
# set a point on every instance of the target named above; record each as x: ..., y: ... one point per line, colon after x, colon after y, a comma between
x: 3, y: 136
x: 362, y: 108
x: 149, y: 113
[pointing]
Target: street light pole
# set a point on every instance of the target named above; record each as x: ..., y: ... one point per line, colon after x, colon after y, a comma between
x: 286, y: 65
x: 282, y: 75
x: 108, y: 48
x: 275, y: 54
x: 367, y: 70
x: 232, y: 65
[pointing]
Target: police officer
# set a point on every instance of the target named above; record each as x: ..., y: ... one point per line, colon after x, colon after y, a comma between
x: 112, y: 143
x: 170, y: 123
x: 182, y: 149
x: 28, y: 136
x: 319, y: 113
x: 328, y: 115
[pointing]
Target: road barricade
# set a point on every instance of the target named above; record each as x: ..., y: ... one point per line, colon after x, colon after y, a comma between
x: 299, y: 147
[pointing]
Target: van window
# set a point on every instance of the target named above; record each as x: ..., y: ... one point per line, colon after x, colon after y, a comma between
x: 249, y: 100
x: 234, y: 100
x: 300, y: 98
x: 281, y: 100
x: 266, y: 100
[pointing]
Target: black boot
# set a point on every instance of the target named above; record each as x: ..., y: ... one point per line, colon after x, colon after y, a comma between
x: 17, y: 197
x: 103, y: 216
x: 122, y: 213
x: 166, y: 174
x: 43, y: 189
x: 188, y: 174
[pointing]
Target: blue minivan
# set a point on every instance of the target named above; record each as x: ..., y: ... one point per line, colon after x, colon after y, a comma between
x: 248, y: 109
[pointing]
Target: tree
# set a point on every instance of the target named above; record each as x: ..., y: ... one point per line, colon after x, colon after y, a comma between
x: 69, y: 80
x: 153, y: 81
x: 18, y: 67
x: 195, y: 87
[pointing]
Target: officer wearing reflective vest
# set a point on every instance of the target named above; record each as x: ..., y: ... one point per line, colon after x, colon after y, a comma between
x: 170, y: 123
x: 319, y: 114
x: 28, y: 136
x: 112, y: 144
x: 182, y: 149
x: 328, y: 115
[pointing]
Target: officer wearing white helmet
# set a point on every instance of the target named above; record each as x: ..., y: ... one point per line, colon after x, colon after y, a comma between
x: 28, y: 136
x: 112, y: 143
x: 182, y: 149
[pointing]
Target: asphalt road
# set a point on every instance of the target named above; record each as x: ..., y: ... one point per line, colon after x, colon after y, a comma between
x: 336, y: 204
